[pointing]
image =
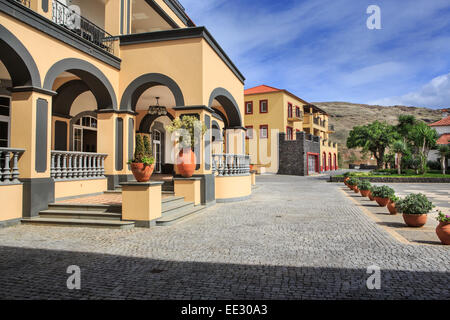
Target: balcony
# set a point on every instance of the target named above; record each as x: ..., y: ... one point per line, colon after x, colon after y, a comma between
x: 295, y: 118
x: 73, y: 22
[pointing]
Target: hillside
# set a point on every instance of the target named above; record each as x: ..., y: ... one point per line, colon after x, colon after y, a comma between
x: 344, y: 116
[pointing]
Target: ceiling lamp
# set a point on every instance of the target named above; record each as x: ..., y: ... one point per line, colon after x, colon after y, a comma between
x: 157, y: 109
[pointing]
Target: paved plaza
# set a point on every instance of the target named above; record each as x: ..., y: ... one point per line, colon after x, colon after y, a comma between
x: 297, y: 238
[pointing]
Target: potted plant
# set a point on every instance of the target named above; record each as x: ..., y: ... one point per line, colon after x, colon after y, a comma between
x: 346, y: 177
x: 443, y: 229
x: 142, y: 165
x: 364, y: 187
x: 188, y: 132
x: 382, y: 195
x: 353, y: 183
x: 391, y: 204
x: 371, y: 198
x: 415, y: 208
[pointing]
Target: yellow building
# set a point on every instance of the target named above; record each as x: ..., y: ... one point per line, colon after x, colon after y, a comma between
x: 274, y: 116
x: 79, y: 79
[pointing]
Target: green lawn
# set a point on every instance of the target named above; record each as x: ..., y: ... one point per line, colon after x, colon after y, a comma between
x: 408, y: 174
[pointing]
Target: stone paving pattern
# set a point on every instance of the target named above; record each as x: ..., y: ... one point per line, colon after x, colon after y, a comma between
x: 297, y: 238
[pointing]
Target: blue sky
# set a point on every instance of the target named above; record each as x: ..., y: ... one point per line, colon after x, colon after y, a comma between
x: 322, y: 50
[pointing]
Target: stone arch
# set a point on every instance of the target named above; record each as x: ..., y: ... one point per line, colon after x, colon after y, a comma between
x: 95, y: 80
x: 230, y: 105
x: 147, y: 121
x: 18, y: 61
x: 137, y: 87
x: 66, y: 96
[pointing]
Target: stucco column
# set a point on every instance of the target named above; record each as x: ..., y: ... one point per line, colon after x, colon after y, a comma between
x: 31, y: 111
x: 116, y: 134
x: 235, y: 140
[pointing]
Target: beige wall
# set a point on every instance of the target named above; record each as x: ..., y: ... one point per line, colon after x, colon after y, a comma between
x: 64, y: 189
x: 11, y: 201
x: 233, y: 187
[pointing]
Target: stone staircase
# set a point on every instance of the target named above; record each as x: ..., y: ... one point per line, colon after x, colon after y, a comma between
x: 174, y: 209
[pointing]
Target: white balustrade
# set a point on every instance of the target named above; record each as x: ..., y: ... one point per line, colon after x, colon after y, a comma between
x: 9, y: 170
x: 230, y: 164
x: 68, y: 165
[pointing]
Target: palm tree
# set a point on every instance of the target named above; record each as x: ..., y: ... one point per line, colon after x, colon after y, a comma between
x: 400, y: 148
x: 444, y: 151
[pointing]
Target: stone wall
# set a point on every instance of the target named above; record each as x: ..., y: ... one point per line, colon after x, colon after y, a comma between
x: 293, y: 153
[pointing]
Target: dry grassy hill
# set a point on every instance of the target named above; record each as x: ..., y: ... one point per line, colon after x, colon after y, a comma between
x: 344, y: 116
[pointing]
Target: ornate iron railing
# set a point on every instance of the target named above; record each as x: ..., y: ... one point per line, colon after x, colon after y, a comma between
x: 231, y: 164
x: 68, y: 18
x: 9, y: 171
x: 68, y: 165
x: 26, y: 3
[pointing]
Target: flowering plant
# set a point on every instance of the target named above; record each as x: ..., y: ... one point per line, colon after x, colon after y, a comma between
x: 443, y: 217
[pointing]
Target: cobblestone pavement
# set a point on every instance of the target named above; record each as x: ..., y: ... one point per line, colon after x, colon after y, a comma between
x: 297, y: 238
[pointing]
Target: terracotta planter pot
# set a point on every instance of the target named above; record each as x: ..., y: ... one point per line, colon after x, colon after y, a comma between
x: 415, y: 220
x: 346, y: 179
x: 443, y: 232
x: 252, y: 167
x: 370, y: 196
x: 356, y: 189
x: 365, y: 193
x: 391, y: 207
x: 382, y: 202
x: 186, y: 163
x: 141, y: 172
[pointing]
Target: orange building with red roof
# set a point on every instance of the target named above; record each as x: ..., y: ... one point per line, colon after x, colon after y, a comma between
x: 270, y: 111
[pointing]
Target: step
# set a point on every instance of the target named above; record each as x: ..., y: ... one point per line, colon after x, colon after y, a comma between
x: 169, y: 208
x: 179, y: 215
x: 86, y: 207
x: 80, y: 223
x: 73, y: 214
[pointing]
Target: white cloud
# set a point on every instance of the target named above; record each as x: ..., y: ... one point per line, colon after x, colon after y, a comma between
x: 435, y: 94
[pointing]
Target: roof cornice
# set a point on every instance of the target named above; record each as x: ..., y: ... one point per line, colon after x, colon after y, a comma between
x: 179, y: 34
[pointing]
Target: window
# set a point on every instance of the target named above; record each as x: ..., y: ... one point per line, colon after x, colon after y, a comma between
x: 263, y: 131
x: 4, y: 122
x: 297, y: 112
x: 263, y: 106
x: 289, y: 110
x: 249, y: 108
x: 289, y: 133
x: 249, y: 134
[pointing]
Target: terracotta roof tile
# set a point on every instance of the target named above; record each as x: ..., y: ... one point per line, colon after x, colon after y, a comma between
x: 261, y: 89
x: 444, y: 139
x: 442, y: 122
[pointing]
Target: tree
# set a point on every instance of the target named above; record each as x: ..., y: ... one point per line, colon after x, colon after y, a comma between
x: 374, y: 137
x: 423, y: 139
x: 400, y: 148
x: 444, y: 151
x: 405, y: 125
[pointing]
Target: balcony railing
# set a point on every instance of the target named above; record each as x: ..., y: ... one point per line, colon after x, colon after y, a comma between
x: 231, y: 164
x: 26, y: 3
x: 69, y: 19
x: 68, y: 165
x: 9, y: 171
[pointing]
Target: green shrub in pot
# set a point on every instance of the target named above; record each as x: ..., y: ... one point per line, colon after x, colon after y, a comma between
x: 383, y: 192
x: 353, y: 181
x: 364, y: 185
x: 415, y: 203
